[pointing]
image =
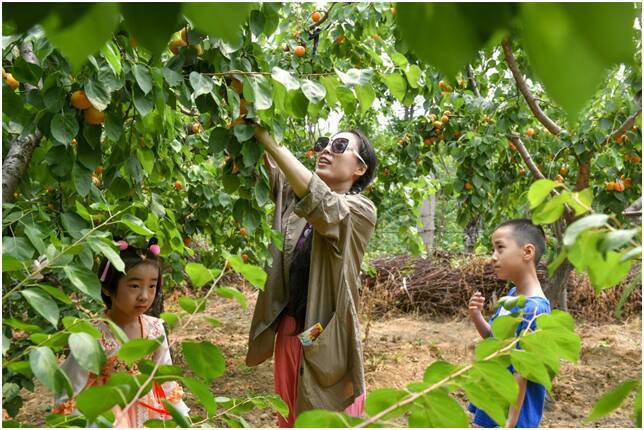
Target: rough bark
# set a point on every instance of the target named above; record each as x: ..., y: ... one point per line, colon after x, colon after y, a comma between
x: 472, y: 81
x: 471, y: 233
x: 22, y: 148
x: 428, y: 225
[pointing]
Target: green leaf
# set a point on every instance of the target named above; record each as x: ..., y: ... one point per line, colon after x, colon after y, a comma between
x: 570, y: 47
x: 171, y: 319
x: 35, y: 237
x: 253, y: 274
x: 87, y: 352
x: 45, y: 367
x: 551, y: 210
x: 77, y: 325
x: 556, y: 320
x: 422, y: 22
x: 85, y: 35
x: 609, y: 271
x: 500, y: 379
x: 616, y: 239
x: 204, y: 359
x: 243, y: 132
x: 43, y: 304
x: 321, y: 418
x: 397, y: 85
x: 581, y: 201
x: 539, y: 190
x: 113, y: 126
x: 612, y: 400
x: 199, y: 274
x: 278, y: 405
x: 191, y: 305
x: 232, y: 293
x: 142, y: 102
x: 176, y: 415
x: 108, y: 251
x: 152, y: 27
x: 631, y: 253
x: 355, y: 77
x: 113, y: 56
x: 27, y: 72
x: 55, y: 293
x: 330, y: 84
x: 203, y: 393
x: 438, y: 409
x: 200, y: 84
x: 64, y: 128
x: 261, y: 90
x: 510, y: 302
x: 381, y: 399
x: 97, y: 94
x: 480, y: 397
x: 637, y: 409
x: 143, y: 77
x: 413, y: 75
x: 85, y: 281
x: 135, y: 349
x: 582, y: 224
x: 118, y: 332
x: 218, y: 19
x: 557, y: 262
x: 505, y: 326
x: 487, y: 347
x: 136, y: 225
x: 285, y: 78
x: 531, y: 367
x: 98, y: 399
x: 313, y: 91
x: 366, y: 95
x: 438, y: 371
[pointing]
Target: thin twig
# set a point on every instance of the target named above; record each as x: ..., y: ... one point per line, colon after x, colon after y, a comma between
x: 628, y: 124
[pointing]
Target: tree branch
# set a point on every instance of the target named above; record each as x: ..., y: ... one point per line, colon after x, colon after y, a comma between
x: 523, y: 87
x: 321, y: 21
x: 627, y: 125
x: 516, y: 140
x: 470, y: 78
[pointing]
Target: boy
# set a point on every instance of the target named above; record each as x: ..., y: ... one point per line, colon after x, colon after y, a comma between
x: 518, y: 245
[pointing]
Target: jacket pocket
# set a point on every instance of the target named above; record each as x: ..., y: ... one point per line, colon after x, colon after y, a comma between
x: 327, y: 357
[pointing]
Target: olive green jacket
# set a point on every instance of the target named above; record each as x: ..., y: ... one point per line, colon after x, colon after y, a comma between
x: 332, y: 371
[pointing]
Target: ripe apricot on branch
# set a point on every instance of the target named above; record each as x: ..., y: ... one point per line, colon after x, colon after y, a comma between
x: 175, y: 44
x: 242, y: 232
x: 428, y: 140
x: 184, y: 34
x: 620, y: 139
x: 244, y: 258
x: 559, y: 178
x: 316, y: 16
x: 11, y: 81
x: 340, y: 39
x: 438, y: 125
x: 468, y: 186
x: 196, y: 127
x: 530, y: 132
x: 178, y: 185
x: 79, y: 100
x: 93, y: 116
x: 444, y: 119
x: 299, y: 51
x: 563, y: 170
x: 310, y: 154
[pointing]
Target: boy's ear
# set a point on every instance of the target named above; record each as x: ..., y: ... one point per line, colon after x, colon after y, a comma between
x: 529, y: 251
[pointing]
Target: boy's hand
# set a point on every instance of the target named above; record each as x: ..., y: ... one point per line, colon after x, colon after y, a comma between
x: 475, y: 306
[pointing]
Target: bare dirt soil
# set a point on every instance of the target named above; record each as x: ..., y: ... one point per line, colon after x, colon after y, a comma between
x: 397, y: 351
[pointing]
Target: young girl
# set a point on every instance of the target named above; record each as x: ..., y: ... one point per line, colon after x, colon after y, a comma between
x: 127, y: 296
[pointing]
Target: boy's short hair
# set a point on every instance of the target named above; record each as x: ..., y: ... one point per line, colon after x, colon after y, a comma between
x: 524, y: 232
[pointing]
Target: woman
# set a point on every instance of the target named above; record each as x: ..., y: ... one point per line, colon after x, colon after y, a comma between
x: 326, y: 224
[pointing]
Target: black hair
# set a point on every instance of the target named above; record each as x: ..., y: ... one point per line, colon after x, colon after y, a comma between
x: 368, y: 154
x: 131, y: 257
x: 525, y: 232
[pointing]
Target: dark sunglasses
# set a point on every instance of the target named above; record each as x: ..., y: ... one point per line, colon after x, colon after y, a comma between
x: 338, y: 146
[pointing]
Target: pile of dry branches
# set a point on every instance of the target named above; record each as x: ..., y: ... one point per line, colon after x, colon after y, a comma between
x: 443, y: 285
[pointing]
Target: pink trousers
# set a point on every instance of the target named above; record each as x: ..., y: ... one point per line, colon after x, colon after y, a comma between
x: 288, y: 351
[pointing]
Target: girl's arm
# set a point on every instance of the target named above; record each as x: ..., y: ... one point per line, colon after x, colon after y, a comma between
x: 296, y: 173
x: 513, y: 413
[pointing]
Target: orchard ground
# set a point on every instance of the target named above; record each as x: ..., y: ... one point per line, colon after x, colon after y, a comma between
x: 397, y: 351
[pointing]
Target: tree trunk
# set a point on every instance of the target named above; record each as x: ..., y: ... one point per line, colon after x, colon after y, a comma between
x: 471, y: 233
x: 428, y: 225
x: 556, y: 289
x: 19, y: 155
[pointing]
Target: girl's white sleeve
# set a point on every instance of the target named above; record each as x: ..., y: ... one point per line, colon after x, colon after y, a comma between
x: 77, y: 376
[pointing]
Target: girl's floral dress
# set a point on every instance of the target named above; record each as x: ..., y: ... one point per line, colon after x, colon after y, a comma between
x: 149, y: 406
